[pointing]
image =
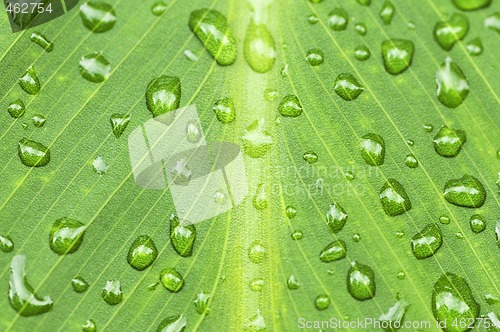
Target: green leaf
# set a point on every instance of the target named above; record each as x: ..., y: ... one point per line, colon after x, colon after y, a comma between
x: 244, y: 269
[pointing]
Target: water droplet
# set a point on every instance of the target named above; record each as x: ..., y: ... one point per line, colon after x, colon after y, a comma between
x: 310, y: 156
x: 259, y: 48
x: 400, y: 234
x: 256, y: 323
x: 411, y: 161
x: 334, y: 251
x: 312, y: 19
x: 256, y: 140
x: 173, y: 324
x: 493, y: 22
x: 142, y: 253
x: 452, y: 300
x: 356, y: 237
x: 397, y: 55
x: 224, y: 110
x: 401, y: 275
x: 6, y: 243
x: 172, y: 279
x: 410, y: 142
x: 95, y: 68
x: 466, y: 191
x: 475, y: 46
x: 159, y: 8
x: 387, y: 12
x: 212, y: 29
x: 16, y: 109
x: 284, y: 71
x: 193, y: 132
x: 349, y: 176
x: 427, y: 242
x: 411, y: 25
x: 445, y: 220
x: 190, y: 55
x: 22, y: 297
x: 181, y: 173
x: 497, y: 233
x: 394, y: 199
x: 361, y: 281
x: 79, y: 284
x: 477, y: 223
x: 98, y: 16
x: 360, y: 29
x: 89, y: 326
x: 315, y: 57
x: 362, y: 53
x: 322, y: 302
x: 256, y: 284
x: 41, y: 40
x: 201, y: 302
x: 32, y: 153
x: 372, y: 149
x: 365, y: 2
x: 290, y: 106
x: 182, y: 237
x: 449, y: 142
x: 393, y: 318
x: 492, y: 299
x: 66, y: 236
x: 338, y: 19
x: 256, y: 252
x: 347, y: 87
x: 471, y: 4
x: 336, y: 217
x: 291, y: 212
x: 271, y: 94
x: 99, y: 165
x: 459, y: 235
x: 452, y: 85
x: 29, y: 82
x: 119, y: 123
x: 297, y: 234
x: 152, y: 287
x: 24, y: 125
x: 260, y: 200
x: 292, y: 282
x: 39, y: 120
x: 163, y: 95
x: 447, y: 33
x: 220, y: 196
x: 428, y: 128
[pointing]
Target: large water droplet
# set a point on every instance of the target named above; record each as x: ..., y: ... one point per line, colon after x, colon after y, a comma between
x: 98, y: 16
x: 41, y: 40
x: 119, y: 123
x: 387, y: 12
x: 466, y: 191
x: 89, y: 326
x: 212, y: 29
x: 394, y: 199
x: 452, y: 86
x: 29, y: 82
x: 256, y: 252
x: 201, y: 302
x: 173, y: 324
x: 477, y: 223
x: 493, y: 22
x: 336, y: 217
x: 471, y: 4
x: 259, y: 48
x: 315, y: 57
x: 21, y: 294
x: 393, y: 318
x: 322, y: 302
x: 362, y: 53
x: 338, y: 19
x: 452, y: 301
x: 256, y: 140
x: 163, y: 95
x: 347, y: 87
x: 475, y: 47
x: 95, y: 68
x: 260, y: 200
x: 224, y: 110
x: 6, y: 243
x: 397, y: 55
x: 79, y: 284
x: 182, y: 236
x: 172, y: 279
x: 361, y: 281
x: 66, y: 236
x: 334, y: 251
x: 32, y: 153
x: 427, y: 242
x: 447, y: 33
x: 448, y: 142
x: 142, y: 253
x: 372, y: 149
x: 16, y: 109
x: 290, y: 106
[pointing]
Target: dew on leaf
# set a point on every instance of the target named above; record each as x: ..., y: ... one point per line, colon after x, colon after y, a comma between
x: 259, y: 48
x: 364, y: 2
x: 256, y: 140
x: 89, y: 326
x: 349, y: 176
x: 284, y: 71
x: 29, y: 82
x: 16, y: 109
x: 6, y: 243
x: 142, y: 253
x: 310, y: 156
x: 193, y: 132
x: 347, y: 87
x: 98, y: 16
x: 163, y: 95
x: 322, y: 302
x: 292, y: 282
x: 466, y: 191
x: 79, y: 284
x: 471, y: 4
x: 260, y: 200
x: 32, y: 153
x: 271, y: 94
x: 38, y: 120
x: 362, y: 53
x: 190, y: 55
x: 290, y: 106
x: 99, y: 165
x: 256, y: 252
x: 181, y: 172
x: 119, y: 123
x: 291, y: 211
x: 360, y: 28
x: 182, y: 236
x: 477, y: 223
x: 394, y: 316
x: 401, y: 275
x: 492, y: 299
x: 256, y: 323
x: 427, y: 242
x: 315, y: 57
x: 445, y: 220
x: 256, y: 284
x: 447, y: 33
x: 38, y: 38
x: 297, y: 234
x: 411, y: 161
x: 361, y: 281
x: 452, y: 85
x: 428, y: 128
x: 475, y: 47
x: 159, y: 8
x: 394, y: 199
x: 201, y: 302
x: 95, y: 68
x: 387, y: 12
x: 172, y: 280
x: 334, y: 251
x: 497, y: 233
x: 448, y: 142
x: 372, y: 147
x: 224, y: 110
x: 336, y: 218
x: 312, y: 19
x: 493, y: 22
x: 397, y: 55
x: 220, y: 196
x: 338, y: 19
x: 356, y: 237
x: 173, y: 324
x: 66, y: 236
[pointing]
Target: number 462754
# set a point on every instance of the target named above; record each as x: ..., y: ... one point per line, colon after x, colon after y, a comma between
x: 28, y: 8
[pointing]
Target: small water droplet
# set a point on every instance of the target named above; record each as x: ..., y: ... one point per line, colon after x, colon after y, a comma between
x: 38, y: 120
x: 445, y: 220
x: 364, y: 2
x: 66, y: 236
x: 360, y: 29
x: 29, y: 82
x: 271, y: 94
x: 372, y: 149
x: 477, y: 223
x: 173, y: 324
x: 292, y: 282
x: 400, y: 234
x: 387, y: 12
x: 410, y: 142
x: 79, y: 284
x: 310, y: 156
x: 16, y: 109
x: 193, y: 132
x: 447, y: 33
x: 349, y: 176
x: 256, y: 252
x: 260, y: 200
x: 338, y: 19
x: 397, y: 55
x: 99, y: 165
x: 336, y: 218
x: 95, y: 68
x: 159, y: 8
x: 322, y: 302
x: 297, y: 234
x: 201, y: 302
x: 41, y: 40
x: 347, y: 87
x: 492, y: 299
x: 220, y: 196
x: 452, y: 85
x: 24, y: 125
x: 466, y: 191
x: 312, y: 19
x: 459, y: 235
x: 224, y: 110
x: 6, y: 243
x: 256, y: 284
x: 356, y: 237
x: 89, y: 326
x: 428, y: 128
x: 142, y: 253
x: 475, y: 47
x: 259, y: 48
x: 471, y: 4
x: 32, y: 153
x: 182, y: 237
x: 448, y: 142
x: 411, y: 161
x: 361, y: 281
x: 119, y: 123
x: 394, y: 316
x: 163, y: 95
x: 334, y: 251
x: 98, y: 16
x: 284, y: 71
x: 362, y: 53
x: 291, y: 212
x: 394, y: 199
x: 493, y: 22
x: 190, y: 55
x: 401, y: 275
x: 497, y: 233
x: 315, y: 57
x: 181, y: 173
x: 256, y: 323
x: 212, y: 29
x: 256, y: 140
x: 427, y: 242
x: 411, y: 25
x: 172, y: 279
x: 290, y: 106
